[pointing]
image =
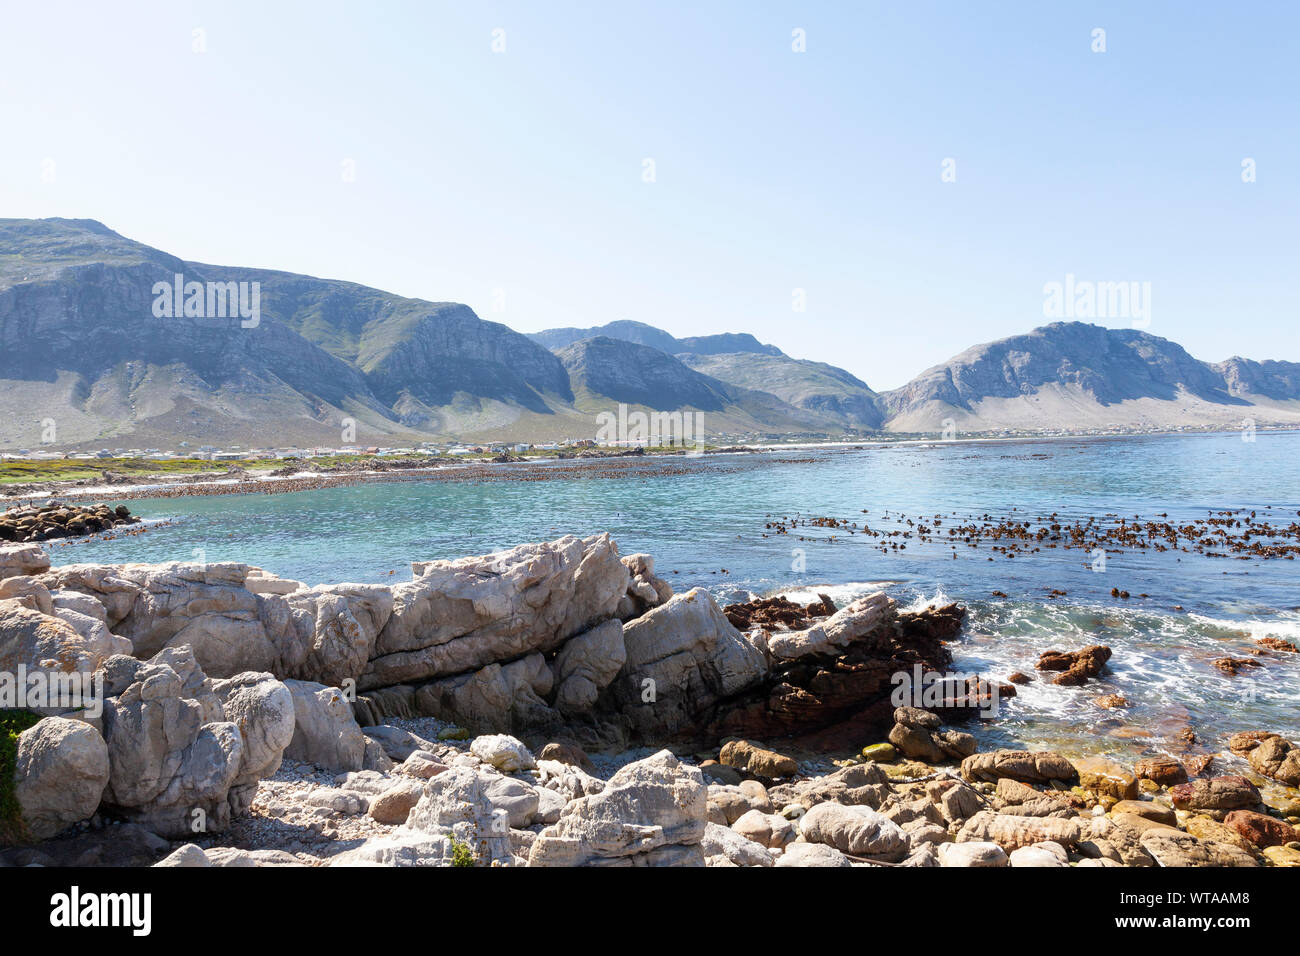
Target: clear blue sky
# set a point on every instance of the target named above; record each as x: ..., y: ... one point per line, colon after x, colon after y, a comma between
x: 522, y: 170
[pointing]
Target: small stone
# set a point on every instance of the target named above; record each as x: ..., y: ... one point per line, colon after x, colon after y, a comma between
x: 880, y: 753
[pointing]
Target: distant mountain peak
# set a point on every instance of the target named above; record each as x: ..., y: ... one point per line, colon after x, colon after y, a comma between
x: 643, y: 334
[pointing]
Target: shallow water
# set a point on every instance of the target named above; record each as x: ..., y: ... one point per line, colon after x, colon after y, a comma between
x: 705, y: 520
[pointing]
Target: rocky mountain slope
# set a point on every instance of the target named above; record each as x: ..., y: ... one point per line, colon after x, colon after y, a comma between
x: 1071, y: 375
x: 834, y: 397
x: 643, y: 334
x: 87, y: 357
x: 605, y: 370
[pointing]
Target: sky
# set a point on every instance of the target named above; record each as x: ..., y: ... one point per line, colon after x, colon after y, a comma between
x: 902, y: 188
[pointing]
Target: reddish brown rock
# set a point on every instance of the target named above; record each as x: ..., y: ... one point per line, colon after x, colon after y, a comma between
x: 1112, y: 701
x: 1261, y: 830
x: 1277, y: 644
x: 1026, y: 766
x: 839, y: 702
x: 1163, y: 770
x: 1215, y: 793
x: 1269, y: 754
x: 1233, y: 665
x: 754, y: 759
x: 1076, y: 666
x: 1020, y: 678
x: 1199, y: 764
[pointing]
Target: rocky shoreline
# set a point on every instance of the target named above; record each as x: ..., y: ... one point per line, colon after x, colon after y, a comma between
x: 58, y: 520
x: 309, y: 475
x: 553, y: 704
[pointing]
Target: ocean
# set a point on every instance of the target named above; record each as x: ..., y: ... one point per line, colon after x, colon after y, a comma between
x: 783, y: 522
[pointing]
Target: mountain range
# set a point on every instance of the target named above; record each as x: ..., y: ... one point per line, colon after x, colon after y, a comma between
x: 86, y: 357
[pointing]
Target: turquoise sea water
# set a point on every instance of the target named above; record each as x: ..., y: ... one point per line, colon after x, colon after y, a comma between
x: 701, y: 516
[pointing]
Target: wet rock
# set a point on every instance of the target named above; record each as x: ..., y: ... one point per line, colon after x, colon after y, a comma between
x: 880, y: 753
x: 1215, y: 793
x: 1269, y: 754
x: 1232, y: 666
x: 1076, y: 667
x: 1162, y: 769
x: 1107, y: 777
x: 1282, y: 855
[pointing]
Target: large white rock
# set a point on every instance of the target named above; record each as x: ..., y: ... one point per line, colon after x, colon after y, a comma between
x: 495, y: 697
x: 974, y: 854
x: 650, y: 813
x: 185, y: 753
x: 459, y: 803
x: 44, y: 643
x: 325, y: 731
x: 459, y: 616
x: 586, y: 665
x: 61, y: 771
x: 734, y: 847
x: 1040, y: 854
x: 831, y: 636
x: 262, y: 708
x: 503, y: 752
x: 813, y: 854
x: 857, y: 831
x: 27, y: 558
x: 324, y: 634
x: 681, y: 658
